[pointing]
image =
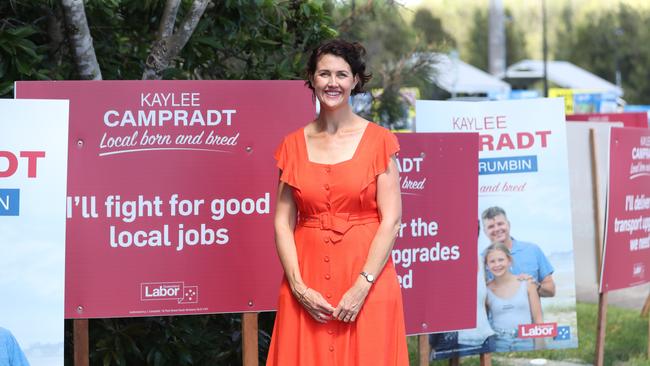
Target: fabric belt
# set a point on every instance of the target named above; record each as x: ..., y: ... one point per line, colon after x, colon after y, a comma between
x: 338, y: 223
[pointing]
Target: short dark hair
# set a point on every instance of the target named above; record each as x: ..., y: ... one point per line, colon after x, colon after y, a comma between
x: 352, y: 52
x: 493, y: 212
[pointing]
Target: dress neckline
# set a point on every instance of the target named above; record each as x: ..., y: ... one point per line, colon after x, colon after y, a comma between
x: 354, y: 155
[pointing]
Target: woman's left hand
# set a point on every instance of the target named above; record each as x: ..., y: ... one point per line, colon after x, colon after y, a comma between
x: 352, y: 302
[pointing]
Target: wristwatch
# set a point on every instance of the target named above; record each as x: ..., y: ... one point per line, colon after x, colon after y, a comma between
x: 370, y: 278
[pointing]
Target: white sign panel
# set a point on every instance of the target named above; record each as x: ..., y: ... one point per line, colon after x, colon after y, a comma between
x: 524, y: 191
x: 33, y: 161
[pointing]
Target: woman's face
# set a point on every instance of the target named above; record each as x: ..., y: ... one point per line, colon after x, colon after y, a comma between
x: 498, y: 263
x: 333, y: 81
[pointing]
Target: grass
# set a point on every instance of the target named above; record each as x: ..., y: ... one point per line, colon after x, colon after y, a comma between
x: 626, y: 341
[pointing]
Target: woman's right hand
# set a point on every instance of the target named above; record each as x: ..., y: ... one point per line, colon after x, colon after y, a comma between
x: 315, y: 304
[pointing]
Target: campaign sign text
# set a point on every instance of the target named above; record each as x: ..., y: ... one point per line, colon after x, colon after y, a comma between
x: 170, y: 190
x: 435, y: 252
x: 627, y: 233
x: 540, y: 330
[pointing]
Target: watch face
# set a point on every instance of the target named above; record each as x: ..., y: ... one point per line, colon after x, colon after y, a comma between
x: 370, y: 278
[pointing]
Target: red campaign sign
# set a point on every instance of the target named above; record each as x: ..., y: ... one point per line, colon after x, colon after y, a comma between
x: 171, y: 185
x: 436, y: 252
x: 629, y: 119
x: 626, y: 259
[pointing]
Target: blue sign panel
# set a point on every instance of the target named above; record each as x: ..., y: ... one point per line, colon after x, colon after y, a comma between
x: 507, y: 165
x: 9, y: 202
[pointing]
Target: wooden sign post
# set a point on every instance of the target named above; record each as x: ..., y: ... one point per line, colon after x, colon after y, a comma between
x: 601, y: 329
x: 250, y: 349
x: 644, y: 313
x: 423, y: 349
x: 598, y: 217
x: 80, y: 342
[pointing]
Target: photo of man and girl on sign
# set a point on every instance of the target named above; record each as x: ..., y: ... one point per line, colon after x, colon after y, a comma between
x: 513, y: 278
x: 526, y: 276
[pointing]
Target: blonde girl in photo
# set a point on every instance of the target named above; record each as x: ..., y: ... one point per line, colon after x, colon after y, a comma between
x: 510, y: 301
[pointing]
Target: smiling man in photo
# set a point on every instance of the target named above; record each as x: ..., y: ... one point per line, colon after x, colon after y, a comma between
x: 529, y: 262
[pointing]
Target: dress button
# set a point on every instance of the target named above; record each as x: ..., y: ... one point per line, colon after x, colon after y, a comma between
x: 327, y: 277
x: 330, y: 332
x: 328, y: 205
x: 326, y: 259
x: 327, y: 240
x: 331, y: 348
x: 328, y: 169
x: 327, y: 187
x: 329, y: 296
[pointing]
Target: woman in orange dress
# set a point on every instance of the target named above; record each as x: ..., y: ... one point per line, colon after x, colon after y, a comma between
x: 337, y: 216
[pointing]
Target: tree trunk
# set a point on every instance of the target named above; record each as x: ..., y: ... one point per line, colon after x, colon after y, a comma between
x: 168, y: 19
x: 56, y: 31
x: 80, y: 40
x: 169, y: 43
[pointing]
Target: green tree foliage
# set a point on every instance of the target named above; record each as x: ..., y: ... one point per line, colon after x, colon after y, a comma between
x: 26, y: 50
x: 605, y: 42
x: 255, y: 40
x: 565, y: 34
x: 515, y: 40
x: 20, y: 56
x: 478, y: 40
x: 262, y: 39
x: 429, y: 28
x: 396, y: 56
x: 172, y: 341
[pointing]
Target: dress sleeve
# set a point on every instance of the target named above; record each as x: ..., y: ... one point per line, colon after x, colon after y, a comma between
x: 386, y: 145
x: 285, y: 155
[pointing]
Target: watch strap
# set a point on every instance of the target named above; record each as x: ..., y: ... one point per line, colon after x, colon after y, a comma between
x: 370, y: 278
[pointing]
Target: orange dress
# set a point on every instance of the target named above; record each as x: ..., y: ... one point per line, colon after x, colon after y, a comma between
x: 337, y: 220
